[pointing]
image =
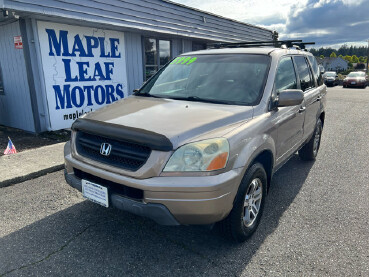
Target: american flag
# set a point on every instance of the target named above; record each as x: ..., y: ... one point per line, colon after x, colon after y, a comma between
x: 10, y: 149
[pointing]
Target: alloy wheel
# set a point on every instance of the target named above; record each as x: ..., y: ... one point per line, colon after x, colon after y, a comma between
x: 252, y: 202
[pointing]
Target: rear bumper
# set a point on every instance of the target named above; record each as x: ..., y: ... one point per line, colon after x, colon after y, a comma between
x: 330, y: 82
x: 348, y: 84
x: 167, y: 200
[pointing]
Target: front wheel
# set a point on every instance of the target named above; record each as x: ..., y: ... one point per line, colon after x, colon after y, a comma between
x: 310, y: 150
x: 248, y: 207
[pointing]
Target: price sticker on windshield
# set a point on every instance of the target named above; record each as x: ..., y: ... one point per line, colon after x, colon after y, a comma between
x: 184, y: 60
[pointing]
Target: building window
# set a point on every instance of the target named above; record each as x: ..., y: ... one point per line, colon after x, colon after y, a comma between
x: 1, y: 83
x: 157, y: 54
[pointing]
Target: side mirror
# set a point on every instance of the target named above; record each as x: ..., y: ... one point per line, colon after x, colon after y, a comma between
x: 290, y: 97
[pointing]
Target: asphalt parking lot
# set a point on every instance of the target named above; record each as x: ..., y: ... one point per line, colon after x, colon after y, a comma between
x: 315, y: 223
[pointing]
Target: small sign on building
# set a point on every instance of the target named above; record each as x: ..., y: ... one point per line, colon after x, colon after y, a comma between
x: 18, y: 44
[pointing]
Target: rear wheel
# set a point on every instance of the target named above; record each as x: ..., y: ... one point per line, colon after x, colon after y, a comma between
x: 248, y: 207
x: 310, y: 150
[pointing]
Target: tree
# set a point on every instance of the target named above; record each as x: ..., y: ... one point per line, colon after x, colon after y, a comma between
x: 361, y: 59
x: 333, y: 55
x: 322, y: 56
x: 348, y: 58
x: 354, y: 59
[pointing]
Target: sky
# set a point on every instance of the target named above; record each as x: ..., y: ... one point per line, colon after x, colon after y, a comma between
x: 326, y: 22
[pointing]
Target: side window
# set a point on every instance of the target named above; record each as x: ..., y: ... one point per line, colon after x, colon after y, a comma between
x: 1, y: 83
x: 315, y: 66
x: 285, y: 77
x: 303, y: 70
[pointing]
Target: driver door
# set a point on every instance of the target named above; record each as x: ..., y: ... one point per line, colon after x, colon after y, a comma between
x: 290, y: 120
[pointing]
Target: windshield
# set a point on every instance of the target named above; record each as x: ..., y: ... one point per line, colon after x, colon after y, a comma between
x: 330, y: 74
x: 229, y: 79
x: 356, y: 74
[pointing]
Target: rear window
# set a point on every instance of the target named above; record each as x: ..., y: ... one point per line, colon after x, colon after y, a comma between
x: 229, y: 79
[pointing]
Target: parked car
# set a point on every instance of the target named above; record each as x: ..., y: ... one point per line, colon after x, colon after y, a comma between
x: 200, y: 141
x: 356, y: 79
x: 330, y: 78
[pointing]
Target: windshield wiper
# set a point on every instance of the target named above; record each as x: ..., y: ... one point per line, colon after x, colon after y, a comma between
x: 199, y: 99
x: 145, y: 94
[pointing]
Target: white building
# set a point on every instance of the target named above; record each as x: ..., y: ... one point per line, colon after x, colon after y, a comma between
x: 333, y: 64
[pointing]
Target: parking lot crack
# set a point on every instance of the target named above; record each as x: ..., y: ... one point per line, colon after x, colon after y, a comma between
x: 50, y: 254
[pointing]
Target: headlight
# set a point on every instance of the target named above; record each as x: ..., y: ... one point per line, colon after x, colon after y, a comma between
x: 205, y: 155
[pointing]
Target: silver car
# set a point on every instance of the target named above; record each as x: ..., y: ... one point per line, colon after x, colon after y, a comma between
x: 200, y: 141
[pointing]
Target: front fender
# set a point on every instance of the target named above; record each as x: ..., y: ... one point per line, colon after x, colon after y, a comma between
x: 251, y: 148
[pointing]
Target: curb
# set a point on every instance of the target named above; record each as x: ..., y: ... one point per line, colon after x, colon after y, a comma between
x: 30, y: 176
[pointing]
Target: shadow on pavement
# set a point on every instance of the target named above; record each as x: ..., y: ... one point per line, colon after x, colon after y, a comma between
x: 87, y: 239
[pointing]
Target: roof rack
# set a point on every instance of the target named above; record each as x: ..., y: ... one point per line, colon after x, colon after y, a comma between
x: 298, y: 44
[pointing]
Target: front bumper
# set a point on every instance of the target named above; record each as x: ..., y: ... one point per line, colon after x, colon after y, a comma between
x: 167, y: 200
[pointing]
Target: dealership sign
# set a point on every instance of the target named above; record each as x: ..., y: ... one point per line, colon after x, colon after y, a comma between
x: 84, y: 69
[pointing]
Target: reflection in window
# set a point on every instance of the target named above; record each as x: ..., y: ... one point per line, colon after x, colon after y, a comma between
x: 1, y: 82
x: 304, y: 73
x: 164, y: 52
x: 285, y: 77
x: 157, y: 54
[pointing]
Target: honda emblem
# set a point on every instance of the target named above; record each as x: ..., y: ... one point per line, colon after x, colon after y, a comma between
x: 105, y: 149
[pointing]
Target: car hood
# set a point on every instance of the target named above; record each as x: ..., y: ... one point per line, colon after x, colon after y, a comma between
x: 355, y: 78
x: 179, y: 121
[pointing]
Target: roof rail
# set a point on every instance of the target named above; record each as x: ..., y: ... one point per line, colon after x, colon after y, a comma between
x: 270, y: 43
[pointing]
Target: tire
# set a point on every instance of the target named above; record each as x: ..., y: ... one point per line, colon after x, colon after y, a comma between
x: 242, y: 222
x: 310, y: 150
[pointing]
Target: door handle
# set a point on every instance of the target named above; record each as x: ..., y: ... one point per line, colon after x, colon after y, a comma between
x: 302, y: 109
x: 319, y: 98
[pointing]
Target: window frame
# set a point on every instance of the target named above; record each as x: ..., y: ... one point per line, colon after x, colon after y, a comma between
x: 2, y: 89
x: 157, y: 39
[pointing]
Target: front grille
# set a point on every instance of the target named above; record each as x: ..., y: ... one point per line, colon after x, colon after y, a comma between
x: 133, y: 193
x: 124, y: 155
